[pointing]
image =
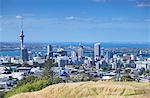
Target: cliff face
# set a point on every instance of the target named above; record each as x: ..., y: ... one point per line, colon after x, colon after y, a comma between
x: 100, y: 89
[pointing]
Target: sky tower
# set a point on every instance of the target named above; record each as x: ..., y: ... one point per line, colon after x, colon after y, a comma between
x: 22, y: 39
x: 24, y: 52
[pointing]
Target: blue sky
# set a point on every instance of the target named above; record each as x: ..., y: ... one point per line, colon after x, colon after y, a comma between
x: 76, y: 20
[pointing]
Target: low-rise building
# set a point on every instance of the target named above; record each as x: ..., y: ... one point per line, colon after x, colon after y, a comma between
x: 142, y: 64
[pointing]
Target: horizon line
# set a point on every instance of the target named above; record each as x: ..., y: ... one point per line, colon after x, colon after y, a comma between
x: 75, y: 42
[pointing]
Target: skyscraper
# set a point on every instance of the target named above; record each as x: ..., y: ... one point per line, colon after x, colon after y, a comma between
x: 108, y: 56
x: 97, y: 51
x: 49, y: 51
x: 74, y: 56
x: 30, y: 55
x: 80, y: 52
x: 102, y: 51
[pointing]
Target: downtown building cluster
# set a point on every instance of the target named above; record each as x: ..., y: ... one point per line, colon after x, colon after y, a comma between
x: 72, y: 62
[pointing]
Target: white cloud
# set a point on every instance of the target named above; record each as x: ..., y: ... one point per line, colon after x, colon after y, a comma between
x: 19, y: 17
x: 70, y: 18
x: 100, y: 19
x: 144, y: 3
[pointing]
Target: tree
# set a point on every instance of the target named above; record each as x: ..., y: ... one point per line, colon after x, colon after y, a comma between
x: 126, y: 78
x: 147, y: 73
x: 127, y: 71
x: 47, y: 72
x: 137, y: 76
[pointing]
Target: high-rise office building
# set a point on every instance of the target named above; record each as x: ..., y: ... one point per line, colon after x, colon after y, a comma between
x: 24, y: 54
x: 108, y: 56
x: 97, y: 51
x: 102, y: 51
x: 49, y: 51
x: 30, y: 55
x: 74, y: 56
x: 80, y: 52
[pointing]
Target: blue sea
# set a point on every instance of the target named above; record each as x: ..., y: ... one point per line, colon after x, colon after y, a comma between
x: 10, y: 53
x: 105, y: 45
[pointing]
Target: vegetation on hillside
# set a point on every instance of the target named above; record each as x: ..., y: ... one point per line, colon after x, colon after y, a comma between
x: 32, y: 83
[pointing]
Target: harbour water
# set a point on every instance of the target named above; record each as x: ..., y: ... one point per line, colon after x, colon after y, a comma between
x: 105, y: 45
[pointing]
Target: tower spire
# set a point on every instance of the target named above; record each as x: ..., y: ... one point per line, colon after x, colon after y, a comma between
x: 22, y: 35
x: 22, y: 24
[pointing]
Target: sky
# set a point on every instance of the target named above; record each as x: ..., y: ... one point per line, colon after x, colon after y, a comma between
x: 75, y: 20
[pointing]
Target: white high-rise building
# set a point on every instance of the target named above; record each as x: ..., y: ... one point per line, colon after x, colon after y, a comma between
x: 80, y: 52
x: 97, y: 51
x: 73, y: 56
x: 49, y: 51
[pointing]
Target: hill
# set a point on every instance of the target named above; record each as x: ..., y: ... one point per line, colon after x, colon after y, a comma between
x: 100, y: 89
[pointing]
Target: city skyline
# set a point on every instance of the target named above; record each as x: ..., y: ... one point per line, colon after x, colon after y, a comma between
x: 76, y: 20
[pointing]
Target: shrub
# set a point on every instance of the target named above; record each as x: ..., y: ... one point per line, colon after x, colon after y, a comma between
x: 32, y: 85
x: 1, y: 94
x: 29, y: 87
x: 25, y: 80
x: 127, y: 78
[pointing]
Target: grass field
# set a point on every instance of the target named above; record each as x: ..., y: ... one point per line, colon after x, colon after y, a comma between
x: 99, y: 89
